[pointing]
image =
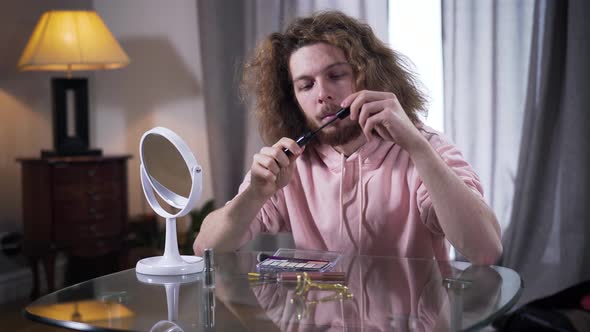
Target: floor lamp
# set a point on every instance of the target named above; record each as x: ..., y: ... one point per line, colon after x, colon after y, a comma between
x: 69, y: 41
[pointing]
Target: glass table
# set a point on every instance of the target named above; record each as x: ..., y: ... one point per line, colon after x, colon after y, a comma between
x: 378, y: 294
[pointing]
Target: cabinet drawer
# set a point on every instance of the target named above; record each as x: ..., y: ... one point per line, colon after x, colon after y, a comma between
x: 89, y: 173
x: 69, y: 212
x: 72, y: 212
x: 94, y: 248
x: 109, y: 213
x: 74, y: 203
x: 81, y: 191
x: 71, y: 234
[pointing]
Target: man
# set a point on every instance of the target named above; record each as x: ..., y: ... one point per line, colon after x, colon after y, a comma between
x: 378, y: 182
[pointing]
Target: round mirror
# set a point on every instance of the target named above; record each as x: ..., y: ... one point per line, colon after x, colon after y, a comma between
x: 172, y: 182
x: 167, y: 169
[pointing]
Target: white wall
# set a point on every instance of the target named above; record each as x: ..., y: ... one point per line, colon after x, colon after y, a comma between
x: 161, y: 87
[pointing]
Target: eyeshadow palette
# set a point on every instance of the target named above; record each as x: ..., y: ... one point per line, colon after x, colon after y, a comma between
x: 278, y: 263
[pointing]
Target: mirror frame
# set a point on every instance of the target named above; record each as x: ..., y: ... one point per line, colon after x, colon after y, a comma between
x: 171, y: 263
x: 149, y: 184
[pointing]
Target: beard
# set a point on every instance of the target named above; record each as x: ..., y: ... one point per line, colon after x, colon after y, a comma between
x: 339, y: 136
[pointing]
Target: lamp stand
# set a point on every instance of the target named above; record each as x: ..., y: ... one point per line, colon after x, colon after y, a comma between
x: 70, y: 119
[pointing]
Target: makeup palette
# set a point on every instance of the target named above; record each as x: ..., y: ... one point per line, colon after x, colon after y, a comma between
x: 278, y: 263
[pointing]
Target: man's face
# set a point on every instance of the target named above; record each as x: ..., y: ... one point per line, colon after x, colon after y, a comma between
x: 322, y: 78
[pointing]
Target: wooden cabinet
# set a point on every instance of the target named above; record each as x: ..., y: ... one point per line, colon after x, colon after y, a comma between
x: 73, y: 204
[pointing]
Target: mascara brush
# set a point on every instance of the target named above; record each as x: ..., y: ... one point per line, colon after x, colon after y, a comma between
x: 302, y: 140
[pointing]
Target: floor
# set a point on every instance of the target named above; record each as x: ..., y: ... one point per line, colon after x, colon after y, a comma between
x: 11, y: 317
x: 13, y: 320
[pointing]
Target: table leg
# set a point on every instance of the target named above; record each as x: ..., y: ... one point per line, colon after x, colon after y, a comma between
x: 49, y: 266
x: 35, y: 270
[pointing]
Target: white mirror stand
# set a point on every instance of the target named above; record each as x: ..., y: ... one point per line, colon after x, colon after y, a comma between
x: 172, y: 285
x: 171, y: 263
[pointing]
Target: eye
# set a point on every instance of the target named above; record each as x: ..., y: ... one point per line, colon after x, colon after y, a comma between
x: 336, y: 76
x: 305, y: 86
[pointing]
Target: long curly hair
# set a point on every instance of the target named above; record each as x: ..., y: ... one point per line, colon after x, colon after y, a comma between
x: 375, y: 67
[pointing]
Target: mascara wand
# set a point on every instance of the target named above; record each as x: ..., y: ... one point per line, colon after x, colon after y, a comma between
x: 301, y: 141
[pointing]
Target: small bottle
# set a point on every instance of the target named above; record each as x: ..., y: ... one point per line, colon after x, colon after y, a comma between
x: 209, y: 270
x: 208, y: 306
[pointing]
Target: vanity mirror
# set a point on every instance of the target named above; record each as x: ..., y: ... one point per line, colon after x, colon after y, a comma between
x: 171, y: 179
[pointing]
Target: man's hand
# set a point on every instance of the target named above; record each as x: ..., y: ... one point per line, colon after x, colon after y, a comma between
x: 224, y: 229
x: 272, y: 168
x: 380, y: 113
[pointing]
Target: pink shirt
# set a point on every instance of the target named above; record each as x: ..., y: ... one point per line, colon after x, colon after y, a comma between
x: 371, y: 203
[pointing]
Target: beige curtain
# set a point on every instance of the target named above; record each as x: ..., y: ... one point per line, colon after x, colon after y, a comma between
x: 486, y: 45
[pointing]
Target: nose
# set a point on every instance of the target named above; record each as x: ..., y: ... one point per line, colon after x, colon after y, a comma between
x: 324, y: 94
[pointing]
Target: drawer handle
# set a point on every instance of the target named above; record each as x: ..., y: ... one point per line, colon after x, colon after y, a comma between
x: 92, y: 172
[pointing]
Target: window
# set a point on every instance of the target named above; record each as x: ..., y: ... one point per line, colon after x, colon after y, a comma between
x: 415, y: 30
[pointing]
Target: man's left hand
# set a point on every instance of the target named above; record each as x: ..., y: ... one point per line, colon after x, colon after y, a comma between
x: 380, y: 113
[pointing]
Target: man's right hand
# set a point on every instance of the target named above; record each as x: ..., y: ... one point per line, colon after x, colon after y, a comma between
x: 272, y: 169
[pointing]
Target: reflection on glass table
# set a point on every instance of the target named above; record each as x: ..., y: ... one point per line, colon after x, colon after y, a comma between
x: 377, y: 294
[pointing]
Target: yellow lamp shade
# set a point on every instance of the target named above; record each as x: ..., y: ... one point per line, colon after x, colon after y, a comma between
x: 72, y: 40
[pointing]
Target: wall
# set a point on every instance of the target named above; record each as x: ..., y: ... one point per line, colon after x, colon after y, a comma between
x: 25, y: 108
x: 25, y: 124
x: 161, y: 86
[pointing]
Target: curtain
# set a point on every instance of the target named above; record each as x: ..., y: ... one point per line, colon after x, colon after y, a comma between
x: 228, y: 31
x: 220, y: 26
x: 547, y: 241
x: 486, y: 45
